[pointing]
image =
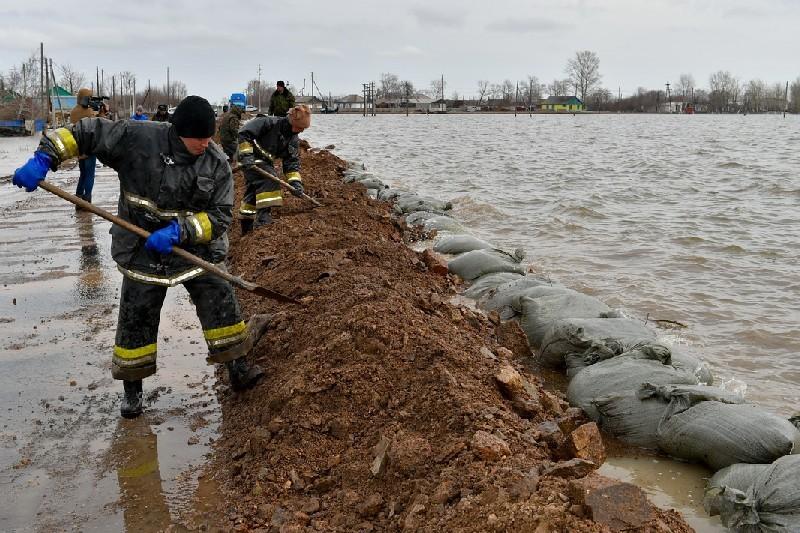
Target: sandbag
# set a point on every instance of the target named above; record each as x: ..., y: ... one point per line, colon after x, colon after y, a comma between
x: 635, y: 418
x: 354, y: 175
x: 443, y: 223
x: 372, y: 183
x: 477, y: 263
x: 418, y: 218
x: 389, y: 194
x: 458, y: 244
x: 620, y: 376
x: 502, y: 297
x: 411, y: 202
x: 484, y: 284
x: 690, y: 363
x: 720, y: 434
x: 771, y: 504
x: 740, y: 477
x: 654, y: 351
x: 591, y: 337
x: 538, y: 314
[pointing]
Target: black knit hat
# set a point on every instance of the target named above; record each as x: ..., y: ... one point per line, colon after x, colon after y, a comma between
x: 280, y: 83
x: 194, y: 118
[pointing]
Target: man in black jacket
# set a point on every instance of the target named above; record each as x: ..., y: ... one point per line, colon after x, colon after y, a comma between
x: 176, y: 184
x: 261, y: 141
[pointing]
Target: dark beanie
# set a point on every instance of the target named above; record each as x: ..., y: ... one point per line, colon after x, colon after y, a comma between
x: 194, y: 118
x: 280, y: 83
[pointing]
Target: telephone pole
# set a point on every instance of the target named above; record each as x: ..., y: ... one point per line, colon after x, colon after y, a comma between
x: 258, y: 88
x: 169, y: 101
x: 669, y: 98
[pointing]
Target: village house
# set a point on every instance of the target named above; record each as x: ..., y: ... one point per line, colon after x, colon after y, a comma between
x: 351, y: 101
x: 567, y: 104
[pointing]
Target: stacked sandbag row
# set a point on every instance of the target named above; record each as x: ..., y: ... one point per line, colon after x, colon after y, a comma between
x: 643, y: 392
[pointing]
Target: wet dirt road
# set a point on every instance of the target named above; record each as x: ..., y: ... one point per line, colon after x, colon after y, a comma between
x: 67, y: 460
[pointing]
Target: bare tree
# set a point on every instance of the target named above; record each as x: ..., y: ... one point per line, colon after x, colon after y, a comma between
x: 533, y: 89
x: 754, y: 94
x: 559, y: 87
x: 508, y: 89
x: 495, y: 91
x: 71, y: 79
x: 437, y: 88
x: 685, y: 85
x: 584, y: 72
x: 794, y: 96
x: 724, y: 91
x: 483, y: 90
x: 389, y: 86
x: 263, y: 89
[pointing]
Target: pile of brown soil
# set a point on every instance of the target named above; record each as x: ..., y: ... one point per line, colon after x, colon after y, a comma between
x: 380, y: 408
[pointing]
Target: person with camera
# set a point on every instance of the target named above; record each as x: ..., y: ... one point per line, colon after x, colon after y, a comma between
x: 176, y: 184
x: 162, y: 115
x: 86, y: 164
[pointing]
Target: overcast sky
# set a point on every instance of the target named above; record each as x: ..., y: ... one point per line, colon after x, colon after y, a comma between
x: 215, y: 47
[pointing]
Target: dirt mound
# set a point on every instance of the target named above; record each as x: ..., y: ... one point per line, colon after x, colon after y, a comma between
x: 381, y: 408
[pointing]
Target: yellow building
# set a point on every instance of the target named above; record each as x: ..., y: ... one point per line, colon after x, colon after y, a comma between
x: 564, y: 104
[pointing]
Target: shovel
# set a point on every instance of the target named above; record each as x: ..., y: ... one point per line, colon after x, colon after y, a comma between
x: 276, y: 179
x: 205, y: 265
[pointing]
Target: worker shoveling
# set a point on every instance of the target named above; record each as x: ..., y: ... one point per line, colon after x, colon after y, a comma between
x: 176, y: 189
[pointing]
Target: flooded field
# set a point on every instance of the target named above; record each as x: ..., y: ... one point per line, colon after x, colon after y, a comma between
x: 67, y: 460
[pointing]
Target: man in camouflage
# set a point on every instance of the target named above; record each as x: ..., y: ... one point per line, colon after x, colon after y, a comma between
x: 281, y: 101
x: 229, y: 131
x: 177, y: 185
x: 261, y: 141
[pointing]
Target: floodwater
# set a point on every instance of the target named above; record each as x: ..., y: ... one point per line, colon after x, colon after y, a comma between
x: 67, y: 459
x: 685, y: 218
x: 691, y: 218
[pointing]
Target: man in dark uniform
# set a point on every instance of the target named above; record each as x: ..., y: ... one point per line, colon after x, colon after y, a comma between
x: 261, y: 141
x: 229, y: 131
x: 162, y: 115
x: 281, y: 101
x: 176, y: 184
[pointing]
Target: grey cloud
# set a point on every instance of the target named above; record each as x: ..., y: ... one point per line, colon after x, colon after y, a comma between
x: 324, y: 52
x: 426, y: 16
x: 403, y: 51
x: 527, y: 25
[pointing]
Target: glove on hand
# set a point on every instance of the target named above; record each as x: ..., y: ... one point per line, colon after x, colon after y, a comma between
x: 161, y: 240
x: 298, y: 189
x: 31, y: 173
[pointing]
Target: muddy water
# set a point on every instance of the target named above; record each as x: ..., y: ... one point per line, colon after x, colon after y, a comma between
x: 67, y: 460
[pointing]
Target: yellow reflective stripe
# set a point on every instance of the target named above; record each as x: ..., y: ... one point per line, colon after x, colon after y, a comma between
x: 134, y: 353
x: 65, y: 143
x: 265, y: 199
x: 139, y: 471
x: 247, y: 209
x: 293, y: 176
x: 245, y: 148
x: 149, y: 205
x: 225, y: 331
x: 228, y: 340
x: 202, y: 227
x: 161, y: 280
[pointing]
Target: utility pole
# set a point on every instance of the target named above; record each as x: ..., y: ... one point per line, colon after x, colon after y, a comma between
x: 258, y: 88
x: 372, y: 96
x: 97, y: 80
x: 114, y: 94
x: 169, y: 100
x: 786, y: 100
x: 312, y: 91
x: 669, y: 98
x: 516, y: 100
x: 42, y: 107
x: 364, y: 92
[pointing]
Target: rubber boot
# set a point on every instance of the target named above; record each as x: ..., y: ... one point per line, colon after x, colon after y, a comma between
x: 247, y: 225
x: 263, y: 218
x: 132, y: 400
x: 242, y: 375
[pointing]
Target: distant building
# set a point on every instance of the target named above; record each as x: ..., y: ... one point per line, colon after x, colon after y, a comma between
x: 418, y: 101
x: 351, y: 101
x: 61, y: 99
x: 561, y: 104
x: 311, y: 101
x: 439, y: 106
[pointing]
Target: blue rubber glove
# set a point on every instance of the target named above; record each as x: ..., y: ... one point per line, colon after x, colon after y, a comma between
x: 161, y: 240
x: 298, y: 188
x: 31, y: 173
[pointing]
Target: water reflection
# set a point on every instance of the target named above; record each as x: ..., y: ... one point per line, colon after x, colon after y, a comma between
x: 134, y: 452
x: 92, y: 283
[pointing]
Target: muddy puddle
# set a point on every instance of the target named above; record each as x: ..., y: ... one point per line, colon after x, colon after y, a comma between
x: 67, y: 460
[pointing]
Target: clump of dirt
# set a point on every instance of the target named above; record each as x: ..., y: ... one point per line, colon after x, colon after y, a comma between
x: 380, y: 408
